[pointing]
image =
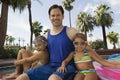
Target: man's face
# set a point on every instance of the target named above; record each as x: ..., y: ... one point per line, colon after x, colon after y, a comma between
x: 56, y: 17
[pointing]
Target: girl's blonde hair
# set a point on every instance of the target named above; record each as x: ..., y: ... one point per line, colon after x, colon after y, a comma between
x: 80, y: 35
x: 40, y: 39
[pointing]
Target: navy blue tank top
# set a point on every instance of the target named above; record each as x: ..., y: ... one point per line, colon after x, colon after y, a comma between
x: 59, y: 47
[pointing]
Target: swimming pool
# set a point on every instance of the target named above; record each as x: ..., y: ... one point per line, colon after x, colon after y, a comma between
x: 7, y: 70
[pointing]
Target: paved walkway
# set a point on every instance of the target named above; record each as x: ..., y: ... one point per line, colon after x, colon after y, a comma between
x: 6, y: 61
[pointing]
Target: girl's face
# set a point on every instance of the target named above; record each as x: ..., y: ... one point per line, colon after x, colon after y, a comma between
x: 79, y: 44
x: 39, y: 46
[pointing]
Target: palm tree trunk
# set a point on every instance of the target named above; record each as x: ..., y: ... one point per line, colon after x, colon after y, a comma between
x: 3, y: 23
x: 70, y: 19
x: 30, y: 22
x: 104, y: 37
x: 85, y: 32
x: 114, y: 47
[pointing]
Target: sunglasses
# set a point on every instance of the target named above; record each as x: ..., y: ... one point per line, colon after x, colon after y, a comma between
x: 38, y: 40
x: 79, y: 43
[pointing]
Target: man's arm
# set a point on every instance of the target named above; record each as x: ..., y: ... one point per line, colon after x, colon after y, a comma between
x: 71, y: 32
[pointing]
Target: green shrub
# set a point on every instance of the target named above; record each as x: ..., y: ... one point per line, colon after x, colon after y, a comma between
x: 8, y: 52
x: 2, y: 53
x: 97, y: 44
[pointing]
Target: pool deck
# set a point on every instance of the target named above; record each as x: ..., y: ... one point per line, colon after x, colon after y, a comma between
x: 6, y: 63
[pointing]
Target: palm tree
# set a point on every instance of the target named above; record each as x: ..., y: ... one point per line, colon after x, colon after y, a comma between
x: 7, y: 39
x: 84, y: 22
x: 113, y: 38
x: 16, y: 4
x: 45, y: 31
x: 91, y: 35
x: 19, y: 4
x: 37, y: 28
x: 68, y: 7
x: 30, y: 20
x: 11, y: 40
x: 103, y: 18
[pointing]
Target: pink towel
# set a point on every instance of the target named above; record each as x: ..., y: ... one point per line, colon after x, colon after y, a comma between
x: 107, y: 73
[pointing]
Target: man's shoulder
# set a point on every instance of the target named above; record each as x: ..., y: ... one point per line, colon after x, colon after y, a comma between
x: 72, y: 30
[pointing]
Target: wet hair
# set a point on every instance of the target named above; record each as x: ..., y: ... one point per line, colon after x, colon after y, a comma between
x: 40, y: 39
x: 80, y: 35
x: 54, y: 7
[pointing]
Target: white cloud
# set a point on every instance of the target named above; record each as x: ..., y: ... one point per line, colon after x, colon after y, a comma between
x: 89, y: 7
x: 18, y: 26
x: 18, y: 20
x: 114, y: 2
x: 117, y: 24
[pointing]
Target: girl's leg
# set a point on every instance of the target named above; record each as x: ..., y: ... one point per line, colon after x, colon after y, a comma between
x: 22, y: 55
x: 20, y: 68
x: 54, y: 77
x: 91, y: 76
x: 23, y: 76
x: 79, y: 76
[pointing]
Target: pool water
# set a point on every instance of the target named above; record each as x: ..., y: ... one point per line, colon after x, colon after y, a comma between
x: 7, y: 70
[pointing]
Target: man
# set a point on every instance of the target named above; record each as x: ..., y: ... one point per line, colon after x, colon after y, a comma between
x: 59, y: 45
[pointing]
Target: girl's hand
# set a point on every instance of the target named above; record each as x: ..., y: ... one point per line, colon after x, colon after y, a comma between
x: 62, y: 69
x: 34, y: 64
x: 15, y: 62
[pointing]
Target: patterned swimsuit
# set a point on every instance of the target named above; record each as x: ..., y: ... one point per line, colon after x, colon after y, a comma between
x: 85, y: 58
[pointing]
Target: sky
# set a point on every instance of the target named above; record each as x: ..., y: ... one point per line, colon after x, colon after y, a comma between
x: 18, y: 23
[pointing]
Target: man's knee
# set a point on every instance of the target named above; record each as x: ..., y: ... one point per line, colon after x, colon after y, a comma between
x: 54, y: 77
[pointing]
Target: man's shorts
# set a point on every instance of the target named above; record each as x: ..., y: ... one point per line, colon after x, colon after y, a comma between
x: 43, y: 72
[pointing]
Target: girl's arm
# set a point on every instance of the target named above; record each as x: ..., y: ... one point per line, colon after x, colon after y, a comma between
x: 62, y: 68
x: 29, y: 59
x: 67, y: 60
x: 103, y: 62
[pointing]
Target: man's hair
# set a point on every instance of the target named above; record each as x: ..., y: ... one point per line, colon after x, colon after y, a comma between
x: 56, y: 6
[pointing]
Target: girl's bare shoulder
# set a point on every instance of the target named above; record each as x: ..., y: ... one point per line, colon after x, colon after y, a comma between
x: 42, y: 52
